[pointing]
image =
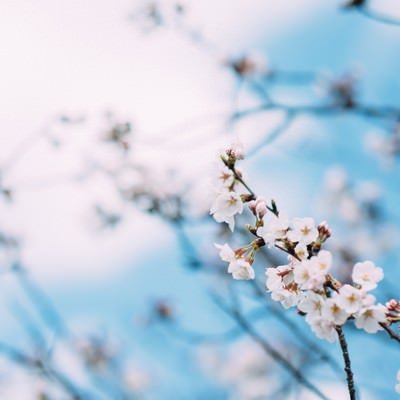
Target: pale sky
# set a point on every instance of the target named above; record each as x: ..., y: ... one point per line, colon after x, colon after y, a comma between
x: 84, y: 58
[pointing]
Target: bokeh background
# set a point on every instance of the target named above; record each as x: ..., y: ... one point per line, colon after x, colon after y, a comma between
x: 124, y: 278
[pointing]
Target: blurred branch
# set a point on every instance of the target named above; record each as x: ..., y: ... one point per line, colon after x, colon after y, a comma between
x: 40, y: 366
x: 274, y: 134
x: 46, y: 309
x: 368, y: 12
x: 201, y: 337
x: 294, y: 329
x: 267, y: 347
x: 380, y: 112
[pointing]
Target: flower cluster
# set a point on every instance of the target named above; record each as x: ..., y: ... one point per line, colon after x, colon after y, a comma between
x: 239, y: 266
x: 305, y: 281
x: 228, y: 202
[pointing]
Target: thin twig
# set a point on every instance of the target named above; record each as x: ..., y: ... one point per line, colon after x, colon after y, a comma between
x: 51, y: 374
x: 372, y: 14
x: 46, y: 309
x: 347, y: 364
x: 393, y: 335
x: 274, y: 134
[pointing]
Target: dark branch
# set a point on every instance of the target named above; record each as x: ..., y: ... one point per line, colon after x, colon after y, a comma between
x: 347, y: 364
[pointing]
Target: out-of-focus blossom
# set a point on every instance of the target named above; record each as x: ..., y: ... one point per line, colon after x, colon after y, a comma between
x: 397, y: 387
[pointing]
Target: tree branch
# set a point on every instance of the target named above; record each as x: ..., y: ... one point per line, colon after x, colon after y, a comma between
x: 347, y: 364
x: 268, y: 348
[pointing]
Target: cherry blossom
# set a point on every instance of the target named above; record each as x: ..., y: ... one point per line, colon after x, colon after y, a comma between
x: 323, y: 261
x: 303, y: 231
x: 226, y: 177
x: 239, y: 267
x: 282, y: 286
x: 273, y: 230
x: 311, y: 304
x: 241, y: 270
x: 301, y: 251
x: 366, y: 274
x: 226, y: 253
x: 324, y: 329
x: 332, y: 312
x: 235, y: 151
x: 225, y: 206
x: 305, y: 275
x: 369, y: 318
x: 350, y: 299
x: 310, y: 274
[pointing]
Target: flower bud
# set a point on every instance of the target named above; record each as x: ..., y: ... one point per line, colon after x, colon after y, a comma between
x: 258, y: 207
x: 393, y: 305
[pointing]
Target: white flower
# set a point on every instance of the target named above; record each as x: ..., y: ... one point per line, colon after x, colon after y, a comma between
x: 308, y: 274
x: 301, y: 251
x: 225, y: 252
x: 332, y: 312
x: 323, y: 261
x: 286, y: 298
x: 225, y: 206
x: 350, y: 299
x: 311, y: 304
x: 226, y: 177
x: 239, y: 267
x: 281, y: 285
x: 323, y: 328
x: 304, y: 231
x: 304, y: 274
x: 274, y: 279
x: 367, y: 275
x: 370, y: 317
x: 397, y: 387
x: 241, y: 270
x: 274, y: 230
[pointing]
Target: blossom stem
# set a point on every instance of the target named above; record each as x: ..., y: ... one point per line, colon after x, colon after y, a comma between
x: 239, y: 178
x: 393, y: 335
x: 347, y: 364
x: 292, y: 253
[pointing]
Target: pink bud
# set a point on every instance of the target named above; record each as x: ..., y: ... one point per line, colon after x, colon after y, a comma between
x: 258, y: 207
